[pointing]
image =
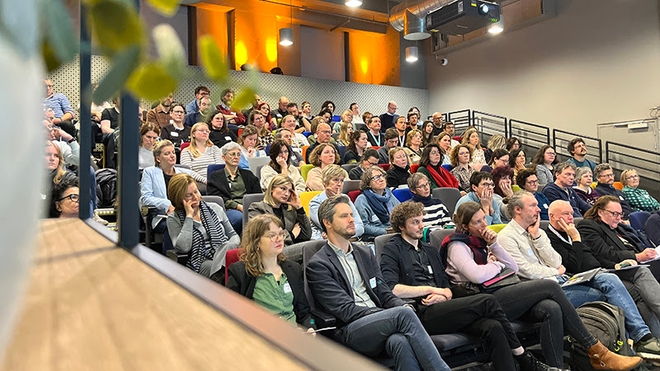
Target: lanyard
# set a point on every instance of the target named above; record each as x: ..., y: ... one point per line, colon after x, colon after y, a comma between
x: 553, y: 230
x: 377, y: 140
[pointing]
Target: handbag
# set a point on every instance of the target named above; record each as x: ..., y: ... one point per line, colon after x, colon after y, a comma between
x: 506, y: 277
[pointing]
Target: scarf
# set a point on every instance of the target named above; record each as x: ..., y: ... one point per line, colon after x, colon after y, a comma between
x: 476, y: 245
x: 200, y: 252
x: 379, y: 204
x: 442, y: 177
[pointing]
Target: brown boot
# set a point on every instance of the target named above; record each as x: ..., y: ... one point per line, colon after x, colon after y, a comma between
x: 602, y: 359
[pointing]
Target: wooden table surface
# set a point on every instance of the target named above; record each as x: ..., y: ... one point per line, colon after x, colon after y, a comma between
x: 93, y: 306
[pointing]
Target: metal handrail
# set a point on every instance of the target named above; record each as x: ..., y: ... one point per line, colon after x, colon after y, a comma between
x: 478, y: 118
x: 563, y: 151
x: 532, y: 138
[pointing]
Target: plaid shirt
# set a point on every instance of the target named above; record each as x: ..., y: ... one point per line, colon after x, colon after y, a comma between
x: 640, y: 200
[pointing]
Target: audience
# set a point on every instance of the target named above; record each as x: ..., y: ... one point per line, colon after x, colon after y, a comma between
x: 281, y: 200
x: 562, y: 189
x: 160, y: 115
x: 64, y: 199
x: 66, y: 142
x: 323, y: 155
x: 436, y: 214
x: 264, y: 275
x: 333, y: 180
x: 483, y: 193
x: 201, y: 152
x: 391, y: 141
x: 232, y: 183
x: 369, y: 158
x: 639, y: 199
x: 370, y: 319
x: 605, y: 176
x: 198, y: 228
x: 399, y: 171
x: 250, y: 148
x: 220, y: 133
x: 431, y: 166
x: 444, y: 144
x: 375, y: 137
x: 461, y: 156
x: 59, y: 103
x: 527, y: 180
x: 583, y: 180
x: 388, y: 118
x: 148, y: 136
x: 474, y: 255
x: 205, y: 110
x: 323, y: 136
x: 231, y: 116
x: 544, y: 161
x: 414, y: 145
x: 153, y: 187
x: 414, y: 270
x: 281, y: 111
x: 471, y: 137
x: 200, y: 92
x: 578, y: 150
x: 280, y: 157
x: 355, y: 110
x: 375, y: 203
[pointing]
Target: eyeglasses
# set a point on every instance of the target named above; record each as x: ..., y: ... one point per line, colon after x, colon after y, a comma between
x: 233, y: 154
x: 615, y: 214
x: 337, y: 180
x: 178, y: 112
x: 633, y: 177
x: 377, y: 177
x: 607, y: 175
x: 73, y: 197
x: 425, y: 185
x: 373, y: 163
x: 532, y: 182
x: 204, y: 131
x: 325, y: 131
x: 49, y: 86
x: 273, y: 236
x: 488, y: 185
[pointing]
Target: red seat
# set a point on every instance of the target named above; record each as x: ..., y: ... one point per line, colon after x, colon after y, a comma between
x: 184, y: 145
x: 413, y: 168
x: 384, y: 166
x: 354, y: 194
x: 376, y: 147
x: 231, y: 257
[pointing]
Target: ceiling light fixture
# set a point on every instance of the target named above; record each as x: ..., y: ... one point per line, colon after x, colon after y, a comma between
x: 412, y: 54
x: 498, y: 27
x: 286, y: 36
x: 353, y: 3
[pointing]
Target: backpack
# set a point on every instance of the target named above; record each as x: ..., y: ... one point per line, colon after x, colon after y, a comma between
x: 606, y: 322
x: 106, y: 187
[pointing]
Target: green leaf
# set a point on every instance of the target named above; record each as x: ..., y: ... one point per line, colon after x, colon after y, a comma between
x: 115, y: 25
x: 212, y: 59
x: 151, y: 81
x: 123, y: 65
x: 50, y: 60
x: 166, y: 7
x: 170, y: 50
x: 244, y: 98
x: 60, y: 31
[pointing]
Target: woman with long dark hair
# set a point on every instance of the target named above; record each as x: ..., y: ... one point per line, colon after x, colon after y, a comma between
x: 431, y: 165
x: 280, y: 163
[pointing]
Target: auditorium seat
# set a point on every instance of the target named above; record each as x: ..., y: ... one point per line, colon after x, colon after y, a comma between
x: 350, y: 185
x: 449, y: 197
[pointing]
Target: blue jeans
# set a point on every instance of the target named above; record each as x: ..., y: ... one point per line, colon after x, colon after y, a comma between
x: 645, y: 289
x: 236, y: 219
x: 608, y: 287
x: 399, y: 333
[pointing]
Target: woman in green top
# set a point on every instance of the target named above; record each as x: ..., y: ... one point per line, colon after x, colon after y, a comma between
x: 264, y: 275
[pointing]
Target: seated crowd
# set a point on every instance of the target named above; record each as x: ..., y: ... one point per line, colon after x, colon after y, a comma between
x: 303, y: 173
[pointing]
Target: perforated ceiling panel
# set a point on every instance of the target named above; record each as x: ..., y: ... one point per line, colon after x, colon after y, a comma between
x: 372, y: 98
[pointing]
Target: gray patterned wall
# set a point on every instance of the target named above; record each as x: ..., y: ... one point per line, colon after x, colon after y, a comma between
x: 372, y: 98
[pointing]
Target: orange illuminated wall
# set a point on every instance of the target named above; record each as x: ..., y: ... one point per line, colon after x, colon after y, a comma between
x: 374, y: 58
x: 214, y: 21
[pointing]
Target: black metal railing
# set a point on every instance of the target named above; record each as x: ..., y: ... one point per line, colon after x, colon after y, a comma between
x: 461, y: 119
x: 531, y: 136
x: 489, y: 124
x: 560, y: 139
x: 644, y: 161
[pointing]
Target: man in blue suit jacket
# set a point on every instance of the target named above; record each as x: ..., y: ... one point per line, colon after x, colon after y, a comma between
x: 346, y: 282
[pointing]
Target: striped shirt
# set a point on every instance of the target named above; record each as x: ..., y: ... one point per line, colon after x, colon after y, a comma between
x: 212, y: 155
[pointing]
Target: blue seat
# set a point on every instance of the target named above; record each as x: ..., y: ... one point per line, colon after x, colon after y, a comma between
x: 307, y: 133
x: 402, y: 194
x: 447, y: 167
x: 342, y: 151
x: 213, y: 167
x: 638, y: 219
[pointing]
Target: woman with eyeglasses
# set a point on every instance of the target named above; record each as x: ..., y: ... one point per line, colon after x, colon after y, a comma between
x: 437, y: 215
x: 64, y: 201
x: 323, y: 155
x: 638, y: 198
x: 265, y: 135
x: 431, y: 165
x: 461, y: 156
x: 346, y: 118
x: 281, y: 200
x: 544, y: 160
x: 198, y: 228
x: 528, y: 181
x: 201, y: 152
x: 280, y: 164
x: 500, y: 157
x: 582, y: 187
x: 176, y: 132
x: 264, y: 275
x: 375, y: 203
x: 220, y: 133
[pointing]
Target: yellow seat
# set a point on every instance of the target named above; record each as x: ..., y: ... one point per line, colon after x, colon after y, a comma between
x: 516, y: 188
x: 496, y: 227
x: 306, y: 197
x: 304, y: 170
x: 593, y: 185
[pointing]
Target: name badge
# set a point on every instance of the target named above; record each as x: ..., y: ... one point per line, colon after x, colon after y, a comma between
x: 430, y: 270
x: 621, y: 198
x: 374, y: 218
x: 372, y: 282
x: 286, y: 288
x: 228, y: 138
x: 545, y: 206
x: 174, y: 134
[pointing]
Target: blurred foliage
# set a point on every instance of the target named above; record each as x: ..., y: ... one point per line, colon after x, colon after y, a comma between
x: 119, y: 34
